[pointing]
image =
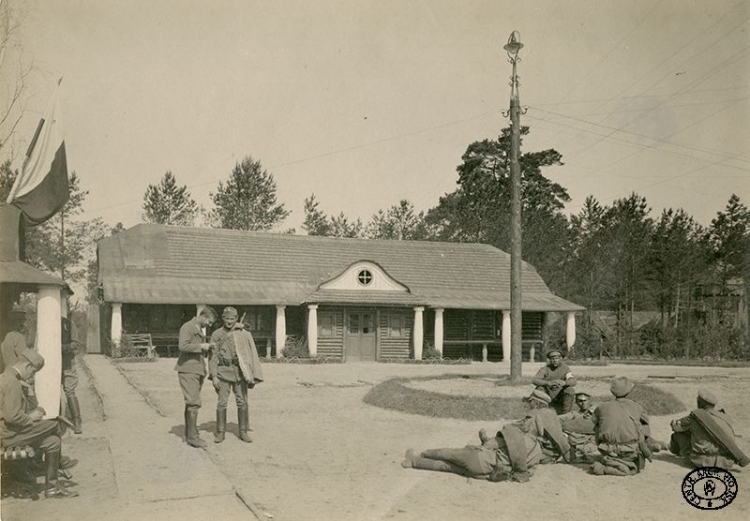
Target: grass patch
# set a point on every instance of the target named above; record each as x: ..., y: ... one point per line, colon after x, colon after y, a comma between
x: 395, y: 394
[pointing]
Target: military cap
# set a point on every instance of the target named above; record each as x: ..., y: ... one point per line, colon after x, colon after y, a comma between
x: 229, y: 312
x: 587, y: 395
x: 708, y: 397
x: 621, y: 387
x: 539, y: 395
x: 37, y: 361
x: 553, y: 351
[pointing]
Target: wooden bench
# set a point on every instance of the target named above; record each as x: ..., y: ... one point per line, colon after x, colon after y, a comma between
x: 141, y: 343
x: 470, y: 343
x: 166, y: 343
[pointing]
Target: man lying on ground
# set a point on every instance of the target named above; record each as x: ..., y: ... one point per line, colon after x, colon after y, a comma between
x: 510, y: 456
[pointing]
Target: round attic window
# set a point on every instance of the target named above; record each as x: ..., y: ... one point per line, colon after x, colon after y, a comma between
x: 364, y: 277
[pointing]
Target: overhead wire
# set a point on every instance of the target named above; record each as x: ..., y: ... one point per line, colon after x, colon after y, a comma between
x: 677, y: 51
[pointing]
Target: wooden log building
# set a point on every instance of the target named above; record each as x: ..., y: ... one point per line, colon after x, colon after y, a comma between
x: 349, y: 299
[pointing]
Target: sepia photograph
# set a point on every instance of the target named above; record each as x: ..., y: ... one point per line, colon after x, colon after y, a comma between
x: 360, y: 260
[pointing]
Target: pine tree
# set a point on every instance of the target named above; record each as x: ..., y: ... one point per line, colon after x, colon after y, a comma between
x: 316, y: 222
x: 248, y: 200
x: 168, y: 203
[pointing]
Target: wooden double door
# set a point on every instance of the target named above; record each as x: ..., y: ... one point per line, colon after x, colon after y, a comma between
x: 360, y: 339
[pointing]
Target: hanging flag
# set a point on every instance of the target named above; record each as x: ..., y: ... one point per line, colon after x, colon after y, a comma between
x: 41, y: 189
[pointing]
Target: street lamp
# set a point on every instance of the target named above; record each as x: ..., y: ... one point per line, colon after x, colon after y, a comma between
x: 512, y: 47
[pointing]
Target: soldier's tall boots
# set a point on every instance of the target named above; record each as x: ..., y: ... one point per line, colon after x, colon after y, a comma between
x: 221, y: 425
x: 432, y: 464
x: 75, y: 412
x: 243, y: 419
x: 193, y: 439
x: 51, y: 488
x: 187, y: 421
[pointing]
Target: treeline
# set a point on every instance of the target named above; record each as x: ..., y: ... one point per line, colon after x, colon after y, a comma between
x: 620, y: 261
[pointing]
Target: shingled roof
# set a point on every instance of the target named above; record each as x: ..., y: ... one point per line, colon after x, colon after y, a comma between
x: 159, y: 264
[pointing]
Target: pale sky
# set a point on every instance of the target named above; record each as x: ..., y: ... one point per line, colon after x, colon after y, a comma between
x: 365, y: 103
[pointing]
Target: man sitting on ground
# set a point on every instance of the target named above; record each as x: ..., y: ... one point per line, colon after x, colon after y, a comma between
x: 705, y: 437
x: 557, y: 380
x: 619, y: 432
x: 17, y: 428
x: 578, y: 426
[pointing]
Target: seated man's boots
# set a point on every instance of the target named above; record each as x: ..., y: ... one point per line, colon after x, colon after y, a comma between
x: 243, y: 419
x: 221, y: 425
x: 193, y: 439
x: 75, y: 412
x: 51, y: 487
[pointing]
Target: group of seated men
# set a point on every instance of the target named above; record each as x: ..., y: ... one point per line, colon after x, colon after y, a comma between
x: 613, y: 438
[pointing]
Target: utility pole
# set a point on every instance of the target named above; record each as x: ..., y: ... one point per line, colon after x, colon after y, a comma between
x: 512, y: 47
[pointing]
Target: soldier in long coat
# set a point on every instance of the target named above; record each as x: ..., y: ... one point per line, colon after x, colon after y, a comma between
x: 233, y: 367
x: 705, y: 437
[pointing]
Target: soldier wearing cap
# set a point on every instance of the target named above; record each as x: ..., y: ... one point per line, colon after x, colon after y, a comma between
x: 557, y: 380
x: 578, y: 426
x: 13, y: 344
x: 705, y: 437
x: 620, y: 428
x: 191, y: 370
x: 510, y: 456
x: 18, y: 428
x: 226, y: 374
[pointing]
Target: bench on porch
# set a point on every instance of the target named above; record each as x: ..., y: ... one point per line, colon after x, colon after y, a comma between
x: 166, y: 343
x: 470, y: 346
x: 141, y: 344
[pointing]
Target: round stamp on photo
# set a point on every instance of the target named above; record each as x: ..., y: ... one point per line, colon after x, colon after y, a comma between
x: 709, y: 488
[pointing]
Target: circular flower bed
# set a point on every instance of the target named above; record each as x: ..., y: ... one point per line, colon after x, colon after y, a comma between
x: 491, y: 397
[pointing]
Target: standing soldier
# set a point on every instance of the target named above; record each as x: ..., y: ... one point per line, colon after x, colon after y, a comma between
x: 191, y: 370
x: 70, y: 375
x: 234, y: 366
x: 557, y: 380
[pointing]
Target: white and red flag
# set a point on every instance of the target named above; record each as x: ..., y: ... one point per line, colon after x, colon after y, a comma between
x: 41, y: 189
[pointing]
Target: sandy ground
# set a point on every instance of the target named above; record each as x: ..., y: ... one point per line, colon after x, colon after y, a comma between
x: 319, y: 452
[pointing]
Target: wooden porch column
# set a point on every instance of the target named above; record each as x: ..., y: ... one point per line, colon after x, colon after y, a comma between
x: 312, y: 329
x: 506, y: 335
x: 280, y: 331
x: 116, y: 324
x: 48, y: 342
x: 439, y: 331
x: 571, y: 329
x: 418, y: 333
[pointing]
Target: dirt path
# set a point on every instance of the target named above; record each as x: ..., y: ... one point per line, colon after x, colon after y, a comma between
x: 321, y: 453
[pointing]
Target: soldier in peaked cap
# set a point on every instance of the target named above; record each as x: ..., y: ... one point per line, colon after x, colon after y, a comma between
x: 18, y: 428
x: 191, y: 370
x: 705, y: 437
x: 578, y: 425
x: 233, y: 367
x: 557, y: 380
